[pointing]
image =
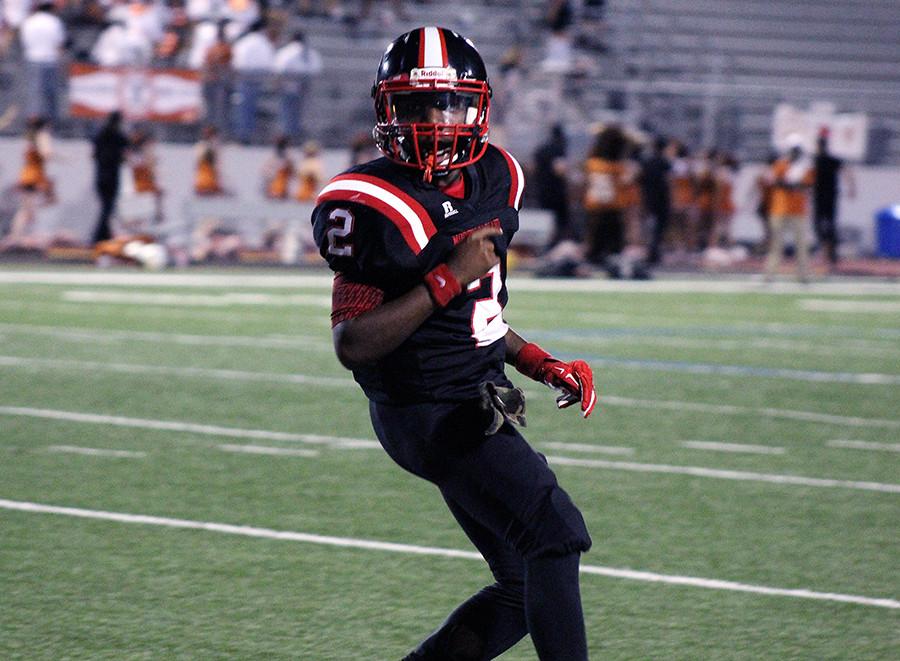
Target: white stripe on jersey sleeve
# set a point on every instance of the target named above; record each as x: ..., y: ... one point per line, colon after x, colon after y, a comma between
x: 401, y: 207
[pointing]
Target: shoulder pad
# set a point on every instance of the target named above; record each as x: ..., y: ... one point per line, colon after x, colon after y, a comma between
x: 401, y: 209
x: 516, y: 176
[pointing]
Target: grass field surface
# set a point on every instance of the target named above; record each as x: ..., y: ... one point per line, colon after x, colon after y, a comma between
x: 186, y: 472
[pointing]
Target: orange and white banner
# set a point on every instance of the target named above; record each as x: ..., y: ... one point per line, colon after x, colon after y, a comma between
x: 161, y: 95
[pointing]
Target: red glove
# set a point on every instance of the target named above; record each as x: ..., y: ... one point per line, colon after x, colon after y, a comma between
x: 575, y: 380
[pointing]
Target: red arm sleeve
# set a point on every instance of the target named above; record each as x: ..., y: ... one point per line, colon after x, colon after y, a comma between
x: 350, y: 299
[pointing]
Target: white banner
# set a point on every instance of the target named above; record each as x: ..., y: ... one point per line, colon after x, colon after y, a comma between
x: 162, y: 95
x: 848, y: 133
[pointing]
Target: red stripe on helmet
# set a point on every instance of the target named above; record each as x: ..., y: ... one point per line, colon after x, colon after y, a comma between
x: 444, y: 60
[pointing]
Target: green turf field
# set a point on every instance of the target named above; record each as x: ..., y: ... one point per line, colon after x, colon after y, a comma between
x: 750, y: 436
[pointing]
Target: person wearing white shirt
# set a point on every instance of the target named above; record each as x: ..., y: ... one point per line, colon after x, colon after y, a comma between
x: 253, y: 59
x: 121, y: 45
x: 295, y: 62
x: 43, y: 37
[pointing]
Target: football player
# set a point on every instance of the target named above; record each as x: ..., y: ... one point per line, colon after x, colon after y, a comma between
x: 418, y: 241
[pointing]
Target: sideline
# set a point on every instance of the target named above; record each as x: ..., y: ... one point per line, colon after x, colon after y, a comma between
x: 743, y: 285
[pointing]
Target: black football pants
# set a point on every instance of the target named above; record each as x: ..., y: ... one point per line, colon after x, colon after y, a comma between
x: 508, y: 502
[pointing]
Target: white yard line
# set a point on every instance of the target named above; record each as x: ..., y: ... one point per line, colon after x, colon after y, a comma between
x: 734, y: 409
x: 864, y: 445
x: 266, y: 450
x: 411, y: 549
x: 137, y: 368
x: 156, y: 313
x: 731, y: 447
x: 742, y: 285
x: 589, y: 447
x: 188, y: 427
x: 348, y: 443
x: 747, y: 476
x: 851, y: 306
x: 605, y: 400
x: 98, y: 334
x: 96, y: 452
x: 194, y: 300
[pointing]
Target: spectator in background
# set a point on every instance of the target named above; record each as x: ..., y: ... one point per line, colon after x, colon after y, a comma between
x: 217, y: 76
x: 12, y: 14
x: 277, y: 171
x: 310, y: 173
x: 295, y: 63
x: 253, y: 60
x: 826, y: 190
x: 632, y: 208
x: 241, y: 14
x: 558, y: 45
x: 43, y: 37
x: 792, y: 177
x: 606, y: 177
x: 203, y: 36
x: 144, y: 21
x: 656, y: 194
x: 724, y: 171
x: 121, y: 45
x: 110, y: 149
x: 142, y: 160
x: 206, y: 177
x: 682, y: 187
x: 705, y: 197
x: 33, y: 183
x: 551, y: 178
x: 38, y: 150
x: 763, y: 184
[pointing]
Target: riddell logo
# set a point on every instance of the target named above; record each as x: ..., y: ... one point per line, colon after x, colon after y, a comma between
x: 449, y: 210
x: 432, y: 73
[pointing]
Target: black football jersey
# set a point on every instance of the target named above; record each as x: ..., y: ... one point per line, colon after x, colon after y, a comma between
x: 380, y: 224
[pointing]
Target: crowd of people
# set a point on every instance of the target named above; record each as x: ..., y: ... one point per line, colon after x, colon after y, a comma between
x: 239, y: 48
x: 643, y: 199
x: 128, y: 156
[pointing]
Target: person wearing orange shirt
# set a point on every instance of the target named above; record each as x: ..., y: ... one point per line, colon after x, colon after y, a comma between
x: 206, y: 178
x: 310, y: 173
x: 277, y: 171
x: 792, y: 177
x: 143, y: 170
x: 606, y: 178
x: 705, y: 198
x: 33, y: 175
x: 726, y: 166
x: 682, y: 188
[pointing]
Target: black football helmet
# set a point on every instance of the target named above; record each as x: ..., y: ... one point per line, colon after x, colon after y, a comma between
x: 432, y: 101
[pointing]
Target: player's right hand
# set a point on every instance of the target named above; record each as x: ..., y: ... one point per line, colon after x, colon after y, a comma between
x: 475, y: 255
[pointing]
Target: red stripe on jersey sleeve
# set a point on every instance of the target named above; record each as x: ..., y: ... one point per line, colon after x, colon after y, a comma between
x: 350, y: 299
x: 384, y: 209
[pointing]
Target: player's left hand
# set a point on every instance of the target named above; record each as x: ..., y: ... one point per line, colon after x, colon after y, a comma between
x: 575, y: 380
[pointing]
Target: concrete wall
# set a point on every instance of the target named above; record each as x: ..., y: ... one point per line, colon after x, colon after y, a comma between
x: 76, y: 212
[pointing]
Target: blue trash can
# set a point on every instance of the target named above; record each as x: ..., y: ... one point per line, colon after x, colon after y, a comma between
x: 887, y: 231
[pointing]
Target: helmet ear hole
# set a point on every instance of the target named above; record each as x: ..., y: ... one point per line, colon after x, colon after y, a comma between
x: 432, y: 99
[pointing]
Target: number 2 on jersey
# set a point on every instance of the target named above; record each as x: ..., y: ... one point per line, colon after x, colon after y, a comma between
x: 340, y: 227
x: 487, y: 313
